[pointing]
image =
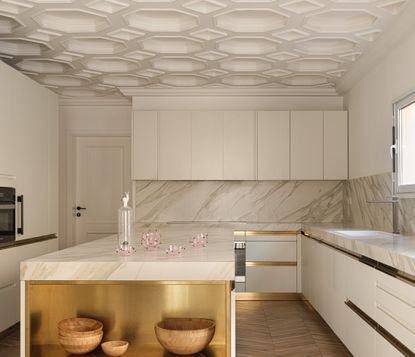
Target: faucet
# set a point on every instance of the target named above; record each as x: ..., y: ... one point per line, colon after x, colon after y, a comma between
x: 394, y: 200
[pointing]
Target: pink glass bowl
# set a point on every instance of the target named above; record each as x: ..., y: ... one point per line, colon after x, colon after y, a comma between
x: 175, y: 250
x: 200, y: 240
x: 151, y: 240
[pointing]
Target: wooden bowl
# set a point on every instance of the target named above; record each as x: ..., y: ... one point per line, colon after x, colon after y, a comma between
x: 79, y: 345
x: 79, y: 326
x: 185, y: 336
x: 114, y: 348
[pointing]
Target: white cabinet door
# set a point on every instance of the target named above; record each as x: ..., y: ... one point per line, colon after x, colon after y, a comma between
x: 207, y: 145
x: 268, y: 279
x: 31, y: 153
x: 335, y: 145
x: 273, y: 145
x: 175, y: 145
x: 240, y: 145
x: 385, y: 349
x: 10, y: 278
x: 306, y: 145
x: 145, y: 145
x: 271, y: 251
x: 361, y: 339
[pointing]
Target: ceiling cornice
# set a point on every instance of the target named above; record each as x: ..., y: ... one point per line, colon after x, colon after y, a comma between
x: 192, y: 92
x: 403, y: 26
x: 100, y: 101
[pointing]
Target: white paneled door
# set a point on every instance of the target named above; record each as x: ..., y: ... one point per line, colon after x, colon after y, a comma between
x: 102, y: 175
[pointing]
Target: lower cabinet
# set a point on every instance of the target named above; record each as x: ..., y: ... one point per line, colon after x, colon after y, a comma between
x: 331, y: 277
x: 385, y: 349
x: 10, y: 278
x: 271, y: 262
x: 269, y: 279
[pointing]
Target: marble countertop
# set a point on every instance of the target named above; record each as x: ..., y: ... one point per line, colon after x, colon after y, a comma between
x: 97, y: 260
x: 395, y: 250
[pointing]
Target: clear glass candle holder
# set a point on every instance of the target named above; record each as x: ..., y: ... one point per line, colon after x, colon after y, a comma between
x: 151, y: 240
x: 174, y: 249
x: 200, y: 240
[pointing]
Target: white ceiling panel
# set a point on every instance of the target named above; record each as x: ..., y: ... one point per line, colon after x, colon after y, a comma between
x: 92, y: 48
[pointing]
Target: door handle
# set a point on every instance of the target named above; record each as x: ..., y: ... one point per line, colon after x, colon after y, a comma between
x: 78, y: 208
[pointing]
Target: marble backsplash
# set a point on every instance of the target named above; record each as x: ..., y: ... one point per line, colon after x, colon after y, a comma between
x: 377, y: 216
x: 239, y: 201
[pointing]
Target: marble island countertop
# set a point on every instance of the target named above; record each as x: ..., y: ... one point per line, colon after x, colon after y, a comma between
x: 395, y: 250
x: 97, y: 260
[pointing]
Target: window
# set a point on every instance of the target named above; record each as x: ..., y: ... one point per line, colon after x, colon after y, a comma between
x: 405, y: 143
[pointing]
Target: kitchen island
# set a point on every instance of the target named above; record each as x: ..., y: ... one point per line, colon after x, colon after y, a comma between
x: 130, y: 294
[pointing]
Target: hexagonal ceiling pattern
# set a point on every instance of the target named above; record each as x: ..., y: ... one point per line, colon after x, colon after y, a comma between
x: 87, y: 48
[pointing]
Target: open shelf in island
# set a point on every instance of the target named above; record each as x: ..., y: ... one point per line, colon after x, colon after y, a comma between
x: 128, y: 309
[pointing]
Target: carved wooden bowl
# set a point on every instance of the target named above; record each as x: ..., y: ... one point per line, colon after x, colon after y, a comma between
x: 185, y: 336
x: 79, y: 345
x: 79, y: 326
x: 114, y: 348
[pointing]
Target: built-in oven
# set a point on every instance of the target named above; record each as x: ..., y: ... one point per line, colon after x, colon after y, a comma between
x: 240, y: 258
x: 7, y: 214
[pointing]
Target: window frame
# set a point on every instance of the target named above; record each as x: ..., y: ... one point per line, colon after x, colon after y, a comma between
x: 397, y: 145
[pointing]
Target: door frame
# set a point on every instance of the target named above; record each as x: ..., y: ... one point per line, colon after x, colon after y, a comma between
x: 71, y: 138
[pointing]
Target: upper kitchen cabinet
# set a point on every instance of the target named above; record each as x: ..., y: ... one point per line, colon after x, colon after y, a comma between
x: 145, y: 145
x: 207, y: 145
x: 240, y: 145
x: 307, y: 145
x: 335, y: 145
x: 175, y: 145
x: 273, y: 145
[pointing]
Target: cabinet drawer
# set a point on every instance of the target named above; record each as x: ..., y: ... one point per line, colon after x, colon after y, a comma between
x: 395, y: 308
x: 271, y: 251
x: 9, y: 305
x: 385, y: 349
x: 279, y: 279
x: 361, y: 286
x: 258, y: 237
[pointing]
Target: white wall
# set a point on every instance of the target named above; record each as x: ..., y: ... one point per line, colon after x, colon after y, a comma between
x: 99, y: 119
x: 369, y: 103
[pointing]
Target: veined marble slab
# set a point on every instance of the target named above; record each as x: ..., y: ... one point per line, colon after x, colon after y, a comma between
x: 239, y: 201
x: 395, y: 250
x: 97, y: 260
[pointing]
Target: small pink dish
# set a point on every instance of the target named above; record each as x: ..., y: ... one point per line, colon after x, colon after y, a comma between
x: 200, y: 240
x: 174, y: 249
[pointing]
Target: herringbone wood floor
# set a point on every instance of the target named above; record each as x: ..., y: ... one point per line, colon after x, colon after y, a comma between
x: 264, y: 329
x: 284, y: 329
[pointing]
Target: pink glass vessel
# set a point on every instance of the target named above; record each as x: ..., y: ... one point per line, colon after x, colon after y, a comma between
x: 151, y: 240
x: 200, y: 240
x: 174, y: 249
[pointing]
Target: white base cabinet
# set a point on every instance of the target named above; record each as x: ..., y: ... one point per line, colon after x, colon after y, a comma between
x: 331, y: 277
x: 10, y: 278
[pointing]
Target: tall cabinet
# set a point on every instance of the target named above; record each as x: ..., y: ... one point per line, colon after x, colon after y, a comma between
x: 29, y: 147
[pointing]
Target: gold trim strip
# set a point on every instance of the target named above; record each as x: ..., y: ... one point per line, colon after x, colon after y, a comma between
x: 272, y: 233
x: 271, y: 264
x: 18, y: 243
x: 128, y: 282
x: 269, y: 296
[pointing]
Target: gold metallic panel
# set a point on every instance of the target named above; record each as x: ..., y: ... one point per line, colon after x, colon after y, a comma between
x: 269, y: 296
x: 271, y: 264
x: 128, y: 310
x: 271, y: 233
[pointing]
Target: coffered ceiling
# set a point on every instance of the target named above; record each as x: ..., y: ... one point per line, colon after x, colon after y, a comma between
x: 94, y: 47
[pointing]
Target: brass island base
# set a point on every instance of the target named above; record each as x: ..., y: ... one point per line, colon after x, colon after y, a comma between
x: 128, y: 309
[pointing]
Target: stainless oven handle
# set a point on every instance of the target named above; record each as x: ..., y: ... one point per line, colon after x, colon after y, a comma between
x: 20, y: 230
